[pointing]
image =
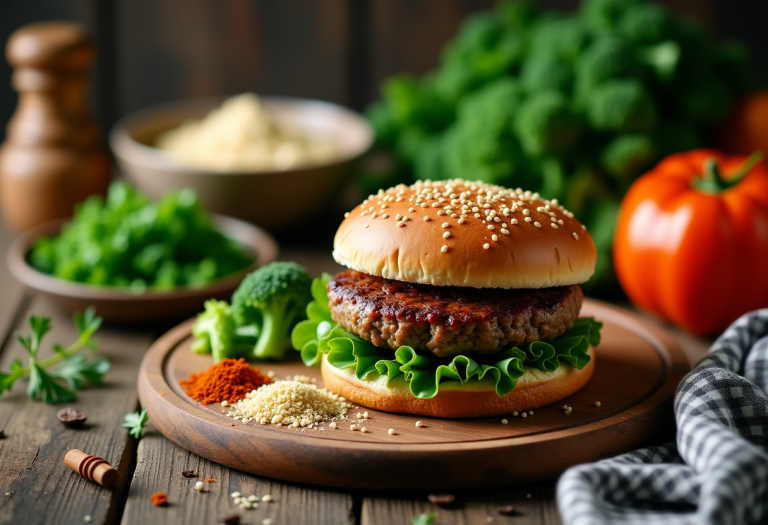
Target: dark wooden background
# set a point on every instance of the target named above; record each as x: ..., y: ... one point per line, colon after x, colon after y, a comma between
x: 153, y: 51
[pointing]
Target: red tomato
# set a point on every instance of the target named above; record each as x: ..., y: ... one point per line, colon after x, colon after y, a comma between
x: 691, y: 245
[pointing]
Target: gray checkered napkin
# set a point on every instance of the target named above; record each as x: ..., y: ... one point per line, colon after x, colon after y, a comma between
x: 716, y: 472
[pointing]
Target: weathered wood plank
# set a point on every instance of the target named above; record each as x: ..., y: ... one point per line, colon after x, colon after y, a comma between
x: 469, y: 508
x: 41, y: 488
x: 159, y: 466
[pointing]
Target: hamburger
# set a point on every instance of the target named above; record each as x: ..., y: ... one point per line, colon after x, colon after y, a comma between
x: 461, y: 299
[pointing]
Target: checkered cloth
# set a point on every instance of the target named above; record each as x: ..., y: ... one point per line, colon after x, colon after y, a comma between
x: 716, y: 473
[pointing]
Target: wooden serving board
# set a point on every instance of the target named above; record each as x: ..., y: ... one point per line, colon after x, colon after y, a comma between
x: 637, y: 370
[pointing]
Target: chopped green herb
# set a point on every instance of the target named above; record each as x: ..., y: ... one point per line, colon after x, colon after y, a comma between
x: 128, y: 241
x: 135, y: 423
x: 75, y: 371
x: 423, y: 519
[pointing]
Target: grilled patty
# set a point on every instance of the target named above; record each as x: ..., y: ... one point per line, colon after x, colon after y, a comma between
x: 448, y: 320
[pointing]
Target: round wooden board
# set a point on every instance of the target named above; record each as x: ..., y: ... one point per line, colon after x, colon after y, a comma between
x: 637, y: 370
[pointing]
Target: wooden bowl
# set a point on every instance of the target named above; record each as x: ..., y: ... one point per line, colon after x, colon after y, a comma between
x: 123, y: 306
x: 258, y: 197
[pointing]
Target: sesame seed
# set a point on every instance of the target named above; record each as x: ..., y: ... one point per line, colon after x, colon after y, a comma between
x: 446, y: 235
x: 524, y: 414
x: 496, y: 219
x: 444, y: 248
x: 266, y: 498
x: 504, y: 421
x: 401, y: 224
x: 419, y: 424
x: 235, y: 495
x: 365, y: 226
x: 528, y: 219
x: 495, y: 237
x: 391, y: 431
x: 491, y: 226
x: 365, y: 415
x: 461, y: 220
x: 363, y: 430
x: 486, y: 246
x: 399, y: 199
x: 445, y: 225
x: 526, y: 212
x: 412, y: 210
x: 440, y: 212
x: 514, y: 221
x: 199, y: 486
x: 477, y: 215
x: 598, y: 403
x: 553, y: 225
x: 553, y: 219
x: 530, y: 412
x: 537, y: 224
x: 253, y: 498
x: 225, y: 403
x: 515, y: 413
x: 435, y: 204
x: 385, y: 215
x: 374, y: 215
x: 426, y: 218
x: 505, y: 231
x: 346, y: 215
x: 87, y: 518
x: 398, y: 217
x: 576, y: 236
x: 352, y: 427
x: 332, y: 426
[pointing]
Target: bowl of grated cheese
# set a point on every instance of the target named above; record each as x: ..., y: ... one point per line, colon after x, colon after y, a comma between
x: 246, y: 156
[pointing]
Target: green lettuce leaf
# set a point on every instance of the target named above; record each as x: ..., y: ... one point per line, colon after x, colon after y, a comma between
x: 319, y: 335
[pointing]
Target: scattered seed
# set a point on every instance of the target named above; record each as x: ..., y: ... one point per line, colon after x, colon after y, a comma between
x: 225, y: 403
x: 391, y: 431
x: 267, y: 521
x: 266, y: 498
x: 515, y: 413
x: 489, y: 519
x: 441, y: 499
x: 363, y: 430
x: 71, y: 417
x: 365, y: 415
x: 530, y: 412
x: 486, y: 246
x: 444, y: 248
x: 419, y: 424
x: 199, y: 486
x: 332, y: 426
x: 504, y: 421
x: 352, y: 427
x: 524, y: 414
x: 234, y: 495
x: 598, y: 403
x: 87, y: 518
x: 528, y: 496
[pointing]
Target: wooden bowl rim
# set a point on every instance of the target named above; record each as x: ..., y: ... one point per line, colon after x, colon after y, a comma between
x: 130, y: 150
x: 263, y: 247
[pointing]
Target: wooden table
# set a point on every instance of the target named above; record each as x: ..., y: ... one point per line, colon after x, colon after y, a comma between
x: 36, y: 487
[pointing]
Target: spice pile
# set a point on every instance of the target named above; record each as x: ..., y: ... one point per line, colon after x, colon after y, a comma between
x: 289, y: 403
x: 228, y: 380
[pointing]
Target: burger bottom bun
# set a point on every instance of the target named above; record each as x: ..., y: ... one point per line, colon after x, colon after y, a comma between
x: 534, y: 389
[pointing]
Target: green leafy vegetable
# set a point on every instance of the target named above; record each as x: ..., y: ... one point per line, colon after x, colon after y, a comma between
x: 265, y: 307
x: 490, y: 111
x: 319, y: 335
x: 75, y: 370
x: 127, y: 241
x: 423, y: 519
x: 135, y: 423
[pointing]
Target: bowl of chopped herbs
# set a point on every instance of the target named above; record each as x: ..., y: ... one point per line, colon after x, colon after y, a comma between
x: 137, y: 260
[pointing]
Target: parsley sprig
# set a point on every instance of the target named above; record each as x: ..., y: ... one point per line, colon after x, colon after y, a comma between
x: 75, y: 371
x: 135, y: 423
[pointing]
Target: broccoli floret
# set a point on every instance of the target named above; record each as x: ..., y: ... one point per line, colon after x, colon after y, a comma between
x: 605, y: 15
x: 215, y: 332
x: 621, y: 105
x: 646, y: 24
x: 546, y: 73
x: 605, y: 59
x: 562, y: 38
x: 495, y: 102
x: 487, y: 151
x: 412, y: 103
x: 546, y: 124
x: 627, y: 155
x: 272, y: 298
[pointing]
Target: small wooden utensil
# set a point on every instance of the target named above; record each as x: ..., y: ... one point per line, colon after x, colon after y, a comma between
x: 52, y: 157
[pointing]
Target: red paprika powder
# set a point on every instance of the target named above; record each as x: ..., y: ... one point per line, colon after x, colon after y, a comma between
x: 228, y: 380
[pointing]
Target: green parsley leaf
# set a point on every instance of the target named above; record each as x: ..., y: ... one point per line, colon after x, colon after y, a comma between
x: 423, y: 519
x: 135, y: 423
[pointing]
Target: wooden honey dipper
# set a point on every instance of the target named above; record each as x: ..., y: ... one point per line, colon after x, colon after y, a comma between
x: 92, y: 468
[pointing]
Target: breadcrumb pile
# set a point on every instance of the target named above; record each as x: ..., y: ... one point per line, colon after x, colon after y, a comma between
x: 291, y: 403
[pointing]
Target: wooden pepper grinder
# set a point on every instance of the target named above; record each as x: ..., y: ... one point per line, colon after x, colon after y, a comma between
x: 52, y: 157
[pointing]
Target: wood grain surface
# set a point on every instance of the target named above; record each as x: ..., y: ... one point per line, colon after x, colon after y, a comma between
x: 637, y: 371
x: 159, y: 466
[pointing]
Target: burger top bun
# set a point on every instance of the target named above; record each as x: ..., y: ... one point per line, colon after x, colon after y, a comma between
x: 461, y: 233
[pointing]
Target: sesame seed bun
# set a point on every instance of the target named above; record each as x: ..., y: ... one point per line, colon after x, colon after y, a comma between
x: 408, y: 234
x: 534, y: 389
